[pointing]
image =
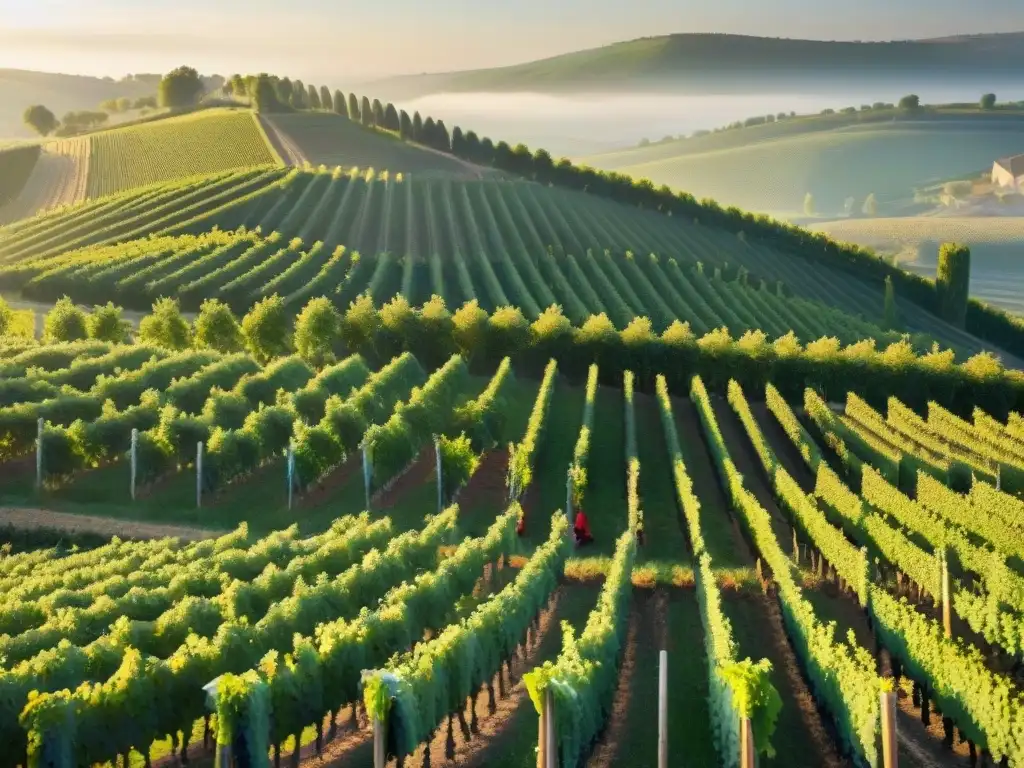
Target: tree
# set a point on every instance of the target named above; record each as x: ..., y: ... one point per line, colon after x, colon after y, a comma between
x: 870, y: 205
x: 313, y: 99
x: 299, y: 100
x: 65, y: 322
x: 890, y: 316
x: 165, y: 326
x: 910, y: 102
x: 216, y: 327
x: 427, y: 132
x: 317, y: 331
x: 264, y: 95
x: 145, y: 102
x: 238, y: 86
x: 848, y: 206
x: 40, y: 119
x: 365, y: 112
x: 326, y: 102
x: 988, y: 101
x: 180, y: 87
x: 391, y: 120
x: 353, y: 107
x: 417, y: 126
x: 404, y: 126
x: 953, y: 282
x: 106, y: 324
x: 285, y: 91
x: 340, y: 104
x: 266, y: 329
x: 442, y: 140
x: 378, y: 114
x: 458, y: 141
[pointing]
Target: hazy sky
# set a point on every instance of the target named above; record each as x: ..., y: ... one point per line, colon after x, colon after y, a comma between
x: 342, y: 40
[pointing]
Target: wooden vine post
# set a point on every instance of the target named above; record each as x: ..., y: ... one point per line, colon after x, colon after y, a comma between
x: 199, y: 475
x: 746, y: 743
x: 224, y: 757
x: 367, y: 472
x: 947, y: 611
x: 889, y: 753
x: 547, y: 743
x: 134, y: 459
x: 39, y: 454
x: 663, y: 709
x: 291, y: 473
x: 568, y: 497
x: 440, y: 475
x: 379, y: 744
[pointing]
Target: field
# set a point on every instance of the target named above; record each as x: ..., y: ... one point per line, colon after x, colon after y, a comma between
x: 714, y: 483
x: 997, y: 271
x: 774, y: 175
x: 323, y: 138
x: 204, y: 142
x: 375, y: 493
x: 500, y: 242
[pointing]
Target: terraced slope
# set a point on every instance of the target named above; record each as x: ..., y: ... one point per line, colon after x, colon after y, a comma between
x: 499, y: 241
x: 204, y: 142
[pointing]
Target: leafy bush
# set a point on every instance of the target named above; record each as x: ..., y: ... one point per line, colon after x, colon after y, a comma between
x: 267, y: 329
x: 65, y: 322
x: 216, y: 327
x: 165, y: 326
x: 105, y: 324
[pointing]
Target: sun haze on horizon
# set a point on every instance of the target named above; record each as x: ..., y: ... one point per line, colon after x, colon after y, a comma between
x: 356, y: 39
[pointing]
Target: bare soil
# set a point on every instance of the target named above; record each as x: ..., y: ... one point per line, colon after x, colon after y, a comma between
x: 60, y: 177
x: 29, y: 519
x: 416, y: 474
x: 282, y: 143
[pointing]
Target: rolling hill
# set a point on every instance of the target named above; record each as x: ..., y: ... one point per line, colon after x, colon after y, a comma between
x: 772, y: 168
x: 61, y: 93
x: 499, y: 242
x: 705, y: 62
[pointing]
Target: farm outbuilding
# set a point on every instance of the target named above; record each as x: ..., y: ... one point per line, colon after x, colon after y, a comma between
x: 1008, y: 173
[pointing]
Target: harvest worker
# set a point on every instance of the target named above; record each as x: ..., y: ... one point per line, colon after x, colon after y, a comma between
x: 581, y: 529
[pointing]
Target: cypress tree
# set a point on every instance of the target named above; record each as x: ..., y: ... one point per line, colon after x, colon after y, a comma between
x: 487, y: 153
x: 391, y: 121
x: 458, y: 141
x: 314, y: 97
x: 325, y: 99
x: 404, y: 126
x: 378, y: 114
x: 284, y: 91
x: 442, y: 140
x: 340, y: 104
x: 417, y: 127
x: 299, y: 95
x: 353, y: 107
x: 365, y: 112
x: 890, y: 316
x: 428, y: 132
x: 953, y: 282
x: 472, y: 146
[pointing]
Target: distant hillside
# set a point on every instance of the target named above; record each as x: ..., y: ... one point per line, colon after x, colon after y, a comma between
x: 772, y: 168
x: 61, y: 93
x: 695, y: 62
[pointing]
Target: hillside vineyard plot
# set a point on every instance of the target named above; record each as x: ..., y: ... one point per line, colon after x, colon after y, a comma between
x: 131, y: 157
x: 516, y: 243
x: 118, y: 641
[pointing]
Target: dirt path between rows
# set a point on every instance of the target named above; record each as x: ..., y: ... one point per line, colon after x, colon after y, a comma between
x: 290, y: 152
x: 60, y: 177
x: 33, y: 519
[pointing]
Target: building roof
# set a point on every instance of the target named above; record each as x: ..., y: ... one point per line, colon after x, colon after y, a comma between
x: 1015, y: 164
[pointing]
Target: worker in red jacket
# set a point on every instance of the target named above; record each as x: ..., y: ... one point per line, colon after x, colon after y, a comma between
x: 581, y: 529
